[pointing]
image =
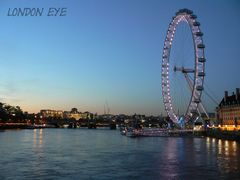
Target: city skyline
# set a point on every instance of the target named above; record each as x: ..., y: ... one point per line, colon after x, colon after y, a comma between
x: 107, y: 52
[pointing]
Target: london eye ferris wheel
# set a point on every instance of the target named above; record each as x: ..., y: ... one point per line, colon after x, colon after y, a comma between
x: 192, y: 74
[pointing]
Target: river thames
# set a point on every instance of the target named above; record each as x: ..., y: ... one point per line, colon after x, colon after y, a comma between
x: 105, y: 154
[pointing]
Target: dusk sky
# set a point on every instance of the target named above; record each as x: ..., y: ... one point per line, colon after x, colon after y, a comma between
x: 107, y: 51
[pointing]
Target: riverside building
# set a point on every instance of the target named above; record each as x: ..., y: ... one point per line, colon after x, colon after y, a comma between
x: 51, y: 113
x: 228, y: 111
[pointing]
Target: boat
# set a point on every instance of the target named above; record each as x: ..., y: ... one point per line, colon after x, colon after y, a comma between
x: 65, y: 125
x: 123, y: 132
x: 157, y: 132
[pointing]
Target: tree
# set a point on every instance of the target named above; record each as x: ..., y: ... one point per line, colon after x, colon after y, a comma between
x: 3, y: 112
x: 19, y: 116
x: 8, y: 112
x: 74, y: 110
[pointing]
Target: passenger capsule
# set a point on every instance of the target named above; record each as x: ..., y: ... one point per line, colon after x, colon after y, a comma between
x: 197, y: 100
x: 179, y: 12
x: 193, y: 16
x: 199, y: 34
x: 201, y: 46
x: 184, y: 10
x: 199, y: 88
x: 189, y: 11
x: 196, y: 23
x: 202, y: 60
x: 201, y: 74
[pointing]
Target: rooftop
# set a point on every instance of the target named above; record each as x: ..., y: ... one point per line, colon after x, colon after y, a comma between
x: 233, y: 99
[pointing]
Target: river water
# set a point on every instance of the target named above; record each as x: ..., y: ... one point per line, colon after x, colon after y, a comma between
x: 105, y: 154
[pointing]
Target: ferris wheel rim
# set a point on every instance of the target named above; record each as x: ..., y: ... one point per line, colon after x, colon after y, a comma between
x: 199, y: 64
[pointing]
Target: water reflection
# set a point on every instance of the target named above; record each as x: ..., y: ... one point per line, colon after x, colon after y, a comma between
x: 170, y: 160
x: 225, y: 152
x: 37, y: 138
x: 91, y: 154
x: 221, y: 147
x: 181, y: 156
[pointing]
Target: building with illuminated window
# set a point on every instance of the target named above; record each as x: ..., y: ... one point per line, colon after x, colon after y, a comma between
x: 74, y: 114
x: 228, y: 111
x: 51, y: 113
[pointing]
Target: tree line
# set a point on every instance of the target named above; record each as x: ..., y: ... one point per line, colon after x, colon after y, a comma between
x: 15, y: 114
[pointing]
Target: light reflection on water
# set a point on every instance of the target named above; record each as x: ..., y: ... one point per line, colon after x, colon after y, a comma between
x: 37, y: 138
x: 105, y: 154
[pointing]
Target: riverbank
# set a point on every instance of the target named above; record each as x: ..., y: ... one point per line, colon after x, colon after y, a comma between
x: 4, y: 126
x: 219, y: 134
x: 223, y: 134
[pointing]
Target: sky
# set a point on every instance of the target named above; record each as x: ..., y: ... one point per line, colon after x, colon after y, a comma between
x: 107, y: 52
